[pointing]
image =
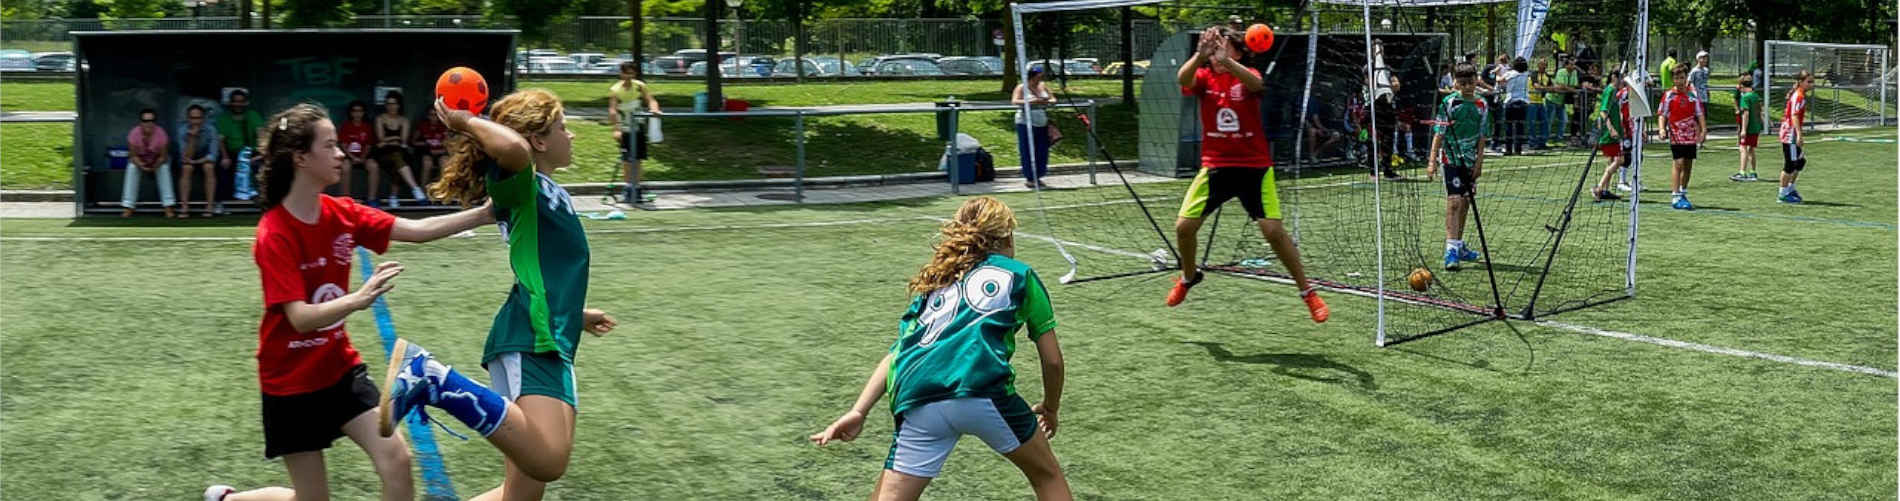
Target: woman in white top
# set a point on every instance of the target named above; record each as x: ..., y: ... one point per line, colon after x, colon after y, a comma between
x: 1035, y: 161
x: 1517, y: 100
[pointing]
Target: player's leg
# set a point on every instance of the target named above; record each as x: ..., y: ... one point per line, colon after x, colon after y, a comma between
x: 1038, y: 463
x: 896, y: 486
x: 1263, y: 206
x: 1187, y: 225
x: 416, y: 379
x: 919, y: 447
x: 388, y: 455
x: 308, y: 477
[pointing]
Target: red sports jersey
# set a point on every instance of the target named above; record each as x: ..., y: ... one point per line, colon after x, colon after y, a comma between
x: 310, y: 263
x: 1679, y: 113
x: 1796, y: 109
x: 432, y: 133
x: 1232, y: 134
x: 354, y: 137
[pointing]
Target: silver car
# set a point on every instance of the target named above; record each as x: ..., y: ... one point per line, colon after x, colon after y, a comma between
x: 16, y: 60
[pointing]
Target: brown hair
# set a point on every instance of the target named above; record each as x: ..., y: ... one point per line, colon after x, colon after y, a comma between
x: 288, y: 133
x: 982, y: 225
x: 528, y: 112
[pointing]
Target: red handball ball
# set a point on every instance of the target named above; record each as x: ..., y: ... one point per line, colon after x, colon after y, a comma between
x: 1259, y: 38
x: 462, y: 88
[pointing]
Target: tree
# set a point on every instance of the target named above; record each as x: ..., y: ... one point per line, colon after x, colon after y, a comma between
x: 84, y: 9
x: 123, y: 9
x: 532, y: 17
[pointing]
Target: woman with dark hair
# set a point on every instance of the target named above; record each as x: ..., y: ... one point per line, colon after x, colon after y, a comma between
x: 392, y: 129
x: 354, y: 136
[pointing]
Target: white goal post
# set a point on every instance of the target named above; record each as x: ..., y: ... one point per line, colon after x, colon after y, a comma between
x: 1860, y: 70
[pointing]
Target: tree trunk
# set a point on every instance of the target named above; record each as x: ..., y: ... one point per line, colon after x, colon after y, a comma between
x: 798, y: 42
x: 637, y: 23
x: 1128, y: 57
x: 715, y: 100
x: 1012, y: 68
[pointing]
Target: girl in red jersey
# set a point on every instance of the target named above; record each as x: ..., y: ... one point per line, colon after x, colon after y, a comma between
x: 315, y: 386
x: 354, y: 136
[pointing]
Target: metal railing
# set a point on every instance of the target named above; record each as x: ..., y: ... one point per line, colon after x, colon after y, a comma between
x: 950, y: 111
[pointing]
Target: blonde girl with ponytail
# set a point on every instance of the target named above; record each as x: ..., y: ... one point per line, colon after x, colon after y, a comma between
x: 948, y: 372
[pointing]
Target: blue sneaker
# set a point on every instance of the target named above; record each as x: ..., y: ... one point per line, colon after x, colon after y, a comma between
x: 406, y: 386
x: 1794, y: 197
x: 1451, y: 259
x: 1682, y: 203
x: 1468, y: 255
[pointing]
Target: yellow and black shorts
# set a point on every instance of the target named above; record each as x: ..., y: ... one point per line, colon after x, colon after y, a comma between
x: 1214, y: 186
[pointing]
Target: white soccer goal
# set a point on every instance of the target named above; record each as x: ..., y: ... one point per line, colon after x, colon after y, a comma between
x: 1851, y: 82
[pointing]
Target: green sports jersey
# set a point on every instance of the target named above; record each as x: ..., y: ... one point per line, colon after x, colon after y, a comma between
x: 1752, y: 109
x: 956, y: 342
x: 1462, y: 121
x: 547, y: 250
x: 1666, y: 72
x: 1610, y: 110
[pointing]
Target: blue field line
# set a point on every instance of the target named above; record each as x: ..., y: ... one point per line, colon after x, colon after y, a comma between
x: 435, y: 474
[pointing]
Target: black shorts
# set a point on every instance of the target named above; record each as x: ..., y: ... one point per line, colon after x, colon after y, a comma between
x: 1458, y: 180
x: 1682, y: 151
x: 1253, y: 186
x: 1793, y: 158
x: 311, y: 421
x: 633, y: 145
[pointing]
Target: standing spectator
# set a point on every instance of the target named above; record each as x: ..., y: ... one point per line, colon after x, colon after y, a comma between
x: 1563, y: 91
x: 1586, y: 57
x: 1035, y: 126
x: 430, y: 145
x: 151, y: 153
x: 1680, y: 121
x: 629, y: 132
x: 1699, y: 78
x: 1667, y: 71
x: 1384, y: 114
x: 1516, y: 80
x: 238, y: 126
x: 1537, y: 113
x: 392, y: 132
x: 1749, y: 111
x: 1593, y: 85
x: 198, y: 147
x: 354, y: 137
x: 1754, y: 70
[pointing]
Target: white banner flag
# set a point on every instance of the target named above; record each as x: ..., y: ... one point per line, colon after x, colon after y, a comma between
x: 1530, y: 22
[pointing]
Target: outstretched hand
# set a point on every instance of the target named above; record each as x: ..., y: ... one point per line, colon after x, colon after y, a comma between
x: 597, y: 322
x: 845, y: 429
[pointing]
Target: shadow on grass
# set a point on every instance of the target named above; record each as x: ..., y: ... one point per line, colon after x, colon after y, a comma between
x: 1295, y: 365
x: 1530, y: 352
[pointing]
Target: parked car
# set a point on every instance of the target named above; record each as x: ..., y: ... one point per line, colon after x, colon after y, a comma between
x: 1115, y: 68
x: 814, y: 67
x: 1069, y: 66
x: 587, y: 59
x: 683, y: 59
x: 534, y: 53
x: 725, y: 71
x: 553, y: 65
x: 909, y: 67
x: 54, y: 61
x: 16, y: 60
x: 970, y: 66
x: 876, y: 64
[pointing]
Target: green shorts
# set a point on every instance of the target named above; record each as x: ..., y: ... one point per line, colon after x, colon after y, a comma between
x: 515, y: 373
x: 1215, y: 186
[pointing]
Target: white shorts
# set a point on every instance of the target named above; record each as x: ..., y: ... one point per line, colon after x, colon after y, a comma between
x: 926, y: 434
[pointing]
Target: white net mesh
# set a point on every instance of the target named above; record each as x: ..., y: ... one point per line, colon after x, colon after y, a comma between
x: 1850, y: 88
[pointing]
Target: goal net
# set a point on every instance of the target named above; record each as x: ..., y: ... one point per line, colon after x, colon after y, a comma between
x: 1851, y: 84
x: 1546, y: 244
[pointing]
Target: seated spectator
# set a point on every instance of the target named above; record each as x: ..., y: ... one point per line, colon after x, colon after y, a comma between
x: 151, y: 153
x: 1318, y: 137
x: 198, y: 147
x: 430, y: 145
x: 353, y: 136
x: 238, y: 126
x: 392, y: 132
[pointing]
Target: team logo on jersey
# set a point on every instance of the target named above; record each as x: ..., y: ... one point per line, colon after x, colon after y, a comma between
x: 324, y: 294
x: 1226, y: 120
x: 342, y: 247
x: 1237, y: 92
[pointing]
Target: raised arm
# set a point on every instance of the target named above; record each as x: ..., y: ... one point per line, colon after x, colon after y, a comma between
x: 436, y: 227
x: 507, y: 147
x: 308, y: 317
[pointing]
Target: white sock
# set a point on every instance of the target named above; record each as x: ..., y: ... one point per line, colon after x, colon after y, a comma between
x: 1786, y: 189
x: 1452, y: 245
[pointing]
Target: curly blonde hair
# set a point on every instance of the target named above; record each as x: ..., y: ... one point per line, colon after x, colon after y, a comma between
x: 530, y: 112
x: 982, y: 226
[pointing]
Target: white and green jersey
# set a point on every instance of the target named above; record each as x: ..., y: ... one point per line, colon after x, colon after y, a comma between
x: 956, y: 342
x: 1462, y: 122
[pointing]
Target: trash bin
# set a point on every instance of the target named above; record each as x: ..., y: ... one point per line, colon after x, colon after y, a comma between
x: 943, y: 121
x: 118, y: 157
x: 966, y: 167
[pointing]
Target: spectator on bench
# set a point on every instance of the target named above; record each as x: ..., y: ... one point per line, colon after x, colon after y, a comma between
x: 198, y: 151
x: 238, y: 126
x: 353, y: 135
x: 392, y: 132
x: 431, y: 145
x: 151, y: 153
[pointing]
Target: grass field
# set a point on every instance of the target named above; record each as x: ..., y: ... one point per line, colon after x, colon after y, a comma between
x: 129, y: 375
x: 836, y: 145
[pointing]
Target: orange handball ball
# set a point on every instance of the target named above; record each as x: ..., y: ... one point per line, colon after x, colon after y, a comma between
x: 1259, y: 38
x: 1420, y: 278
x: 462, y: 88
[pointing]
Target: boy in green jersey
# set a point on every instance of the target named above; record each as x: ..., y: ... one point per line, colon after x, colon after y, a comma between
x: 1459, y: 134
x: 948, y: 372
x: 1749, y: 114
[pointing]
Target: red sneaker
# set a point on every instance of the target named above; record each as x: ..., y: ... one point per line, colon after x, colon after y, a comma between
x: 1316, y: 306
x: 1179, y: 293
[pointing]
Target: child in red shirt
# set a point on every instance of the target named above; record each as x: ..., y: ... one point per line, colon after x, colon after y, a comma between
x: 1236, y: 161
x: 354, y: 136
x: 1680, y: 120
x: 314, y: 383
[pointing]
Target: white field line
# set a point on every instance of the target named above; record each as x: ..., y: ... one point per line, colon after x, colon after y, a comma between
x: 1717, y: 349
